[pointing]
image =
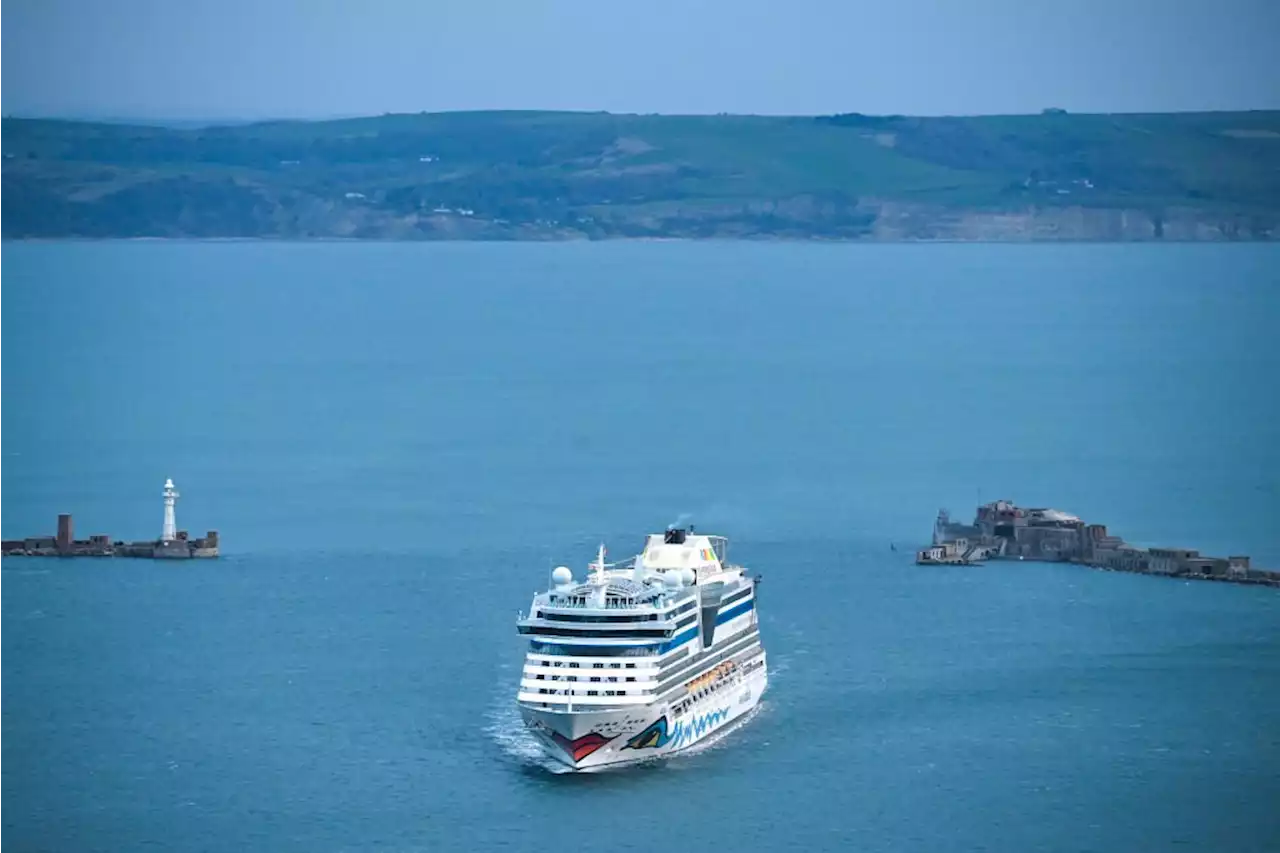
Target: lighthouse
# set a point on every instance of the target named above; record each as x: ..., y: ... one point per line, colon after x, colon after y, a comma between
x: 170, y: 530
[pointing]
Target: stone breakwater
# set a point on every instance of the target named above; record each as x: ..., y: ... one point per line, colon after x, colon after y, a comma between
x: 64, y: 544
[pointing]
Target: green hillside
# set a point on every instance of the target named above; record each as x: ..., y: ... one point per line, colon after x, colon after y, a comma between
x: 550, y: 175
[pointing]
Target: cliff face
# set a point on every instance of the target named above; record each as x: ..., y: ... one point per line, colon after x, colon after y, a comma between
x: 549, y: 176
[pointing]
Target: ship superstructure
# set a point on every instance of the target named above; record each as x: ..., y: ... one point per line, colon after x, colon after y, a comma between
x: 642, y: 658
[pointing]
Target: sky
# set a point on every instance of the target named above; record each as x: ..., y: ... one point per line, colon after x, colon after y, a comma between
x: 252, y: 59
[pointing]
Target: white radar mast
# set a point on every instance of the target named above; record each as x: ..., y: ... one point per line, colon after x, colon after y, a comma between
x: 598, y: 565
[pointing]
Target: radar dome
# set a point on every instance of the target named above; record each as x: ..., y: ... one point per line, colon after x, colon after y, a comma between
x: 561, y: 576
x: 688, y: 577
x: 672, y: 580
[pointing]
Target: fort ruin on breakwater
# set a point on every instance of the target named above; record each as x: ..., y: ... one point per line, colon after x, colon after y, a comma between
x: 1002, y: 530
x: 173, y: 544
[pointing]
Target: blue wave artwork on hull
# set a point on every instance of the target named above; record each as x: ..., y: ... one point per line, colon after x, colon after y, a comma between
x: 658, y: 733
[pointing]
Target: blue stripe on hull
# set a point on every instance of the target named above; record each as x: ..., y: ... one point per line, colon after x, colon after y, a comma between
x: 737, y: 610
x: 679, y: 640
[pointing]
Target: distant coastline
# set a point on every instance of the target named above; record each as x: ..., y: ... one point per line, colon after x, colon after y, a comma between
x: 554, y: 176
x: 763, y: 239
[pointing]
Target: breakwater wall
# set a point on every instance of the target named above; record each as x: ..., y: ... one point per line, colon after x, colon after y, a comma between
x: 64, y: 544
x: 173, y: 544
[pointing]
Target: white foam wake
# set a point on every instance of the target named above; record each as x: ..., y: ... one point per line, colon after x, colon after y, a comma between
x: 508, y: 733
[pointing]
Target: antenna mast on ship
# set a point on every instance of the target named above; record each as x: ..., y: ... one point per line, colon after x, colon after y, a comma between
x: 598, y: 565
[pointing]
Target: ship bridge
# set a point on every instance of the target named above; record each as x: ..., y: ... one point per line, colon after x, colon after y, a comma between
x: 678, y: 549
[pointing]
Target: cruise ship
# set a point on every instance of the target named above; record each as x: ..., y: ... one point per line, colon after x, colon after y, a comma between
x: 644, y: 658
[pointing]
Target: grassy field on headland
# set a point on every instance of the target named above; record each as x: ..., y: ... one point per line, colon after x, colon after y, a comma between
x: 559, y: 175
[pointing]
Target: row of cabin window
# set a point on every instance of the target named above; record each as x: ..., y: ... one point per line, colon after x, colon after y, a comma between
x: 644, y: 651
x: 575, y: 665
x: 613, y: 620
x: 613, y: 679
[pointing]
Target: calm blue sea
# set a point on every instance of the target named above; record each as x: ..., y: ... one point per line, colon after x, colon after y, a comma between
x: 396, y: 442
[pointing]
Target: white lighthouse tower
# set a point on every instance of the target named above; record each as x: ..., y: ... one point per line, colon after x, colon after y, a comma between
x: 170, y: 530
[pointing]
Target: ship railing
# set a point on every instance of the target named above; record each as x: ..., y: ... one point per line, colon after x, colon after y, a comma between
x: 587, y: 603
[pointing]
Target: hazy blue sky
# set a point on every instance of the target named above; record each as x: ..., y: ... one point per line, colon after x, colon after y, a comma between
x: 256, y: 58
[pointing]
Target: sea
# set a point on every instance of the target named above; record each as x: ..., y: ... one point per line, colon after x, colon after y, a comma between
x: 397, y: 442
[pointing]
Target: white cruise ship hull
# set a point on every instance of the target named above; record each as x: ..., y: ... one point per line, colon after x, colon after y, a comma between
x: 592, y: 740
x: 642, y: 661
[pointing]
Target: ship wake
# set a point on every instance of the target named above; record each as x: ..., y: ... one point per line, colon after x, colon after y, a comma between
x: 507, y: 731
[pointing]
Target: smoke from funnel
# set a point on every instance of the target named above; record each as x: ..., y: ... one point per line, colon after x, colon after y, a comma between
x: 680, y: 521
